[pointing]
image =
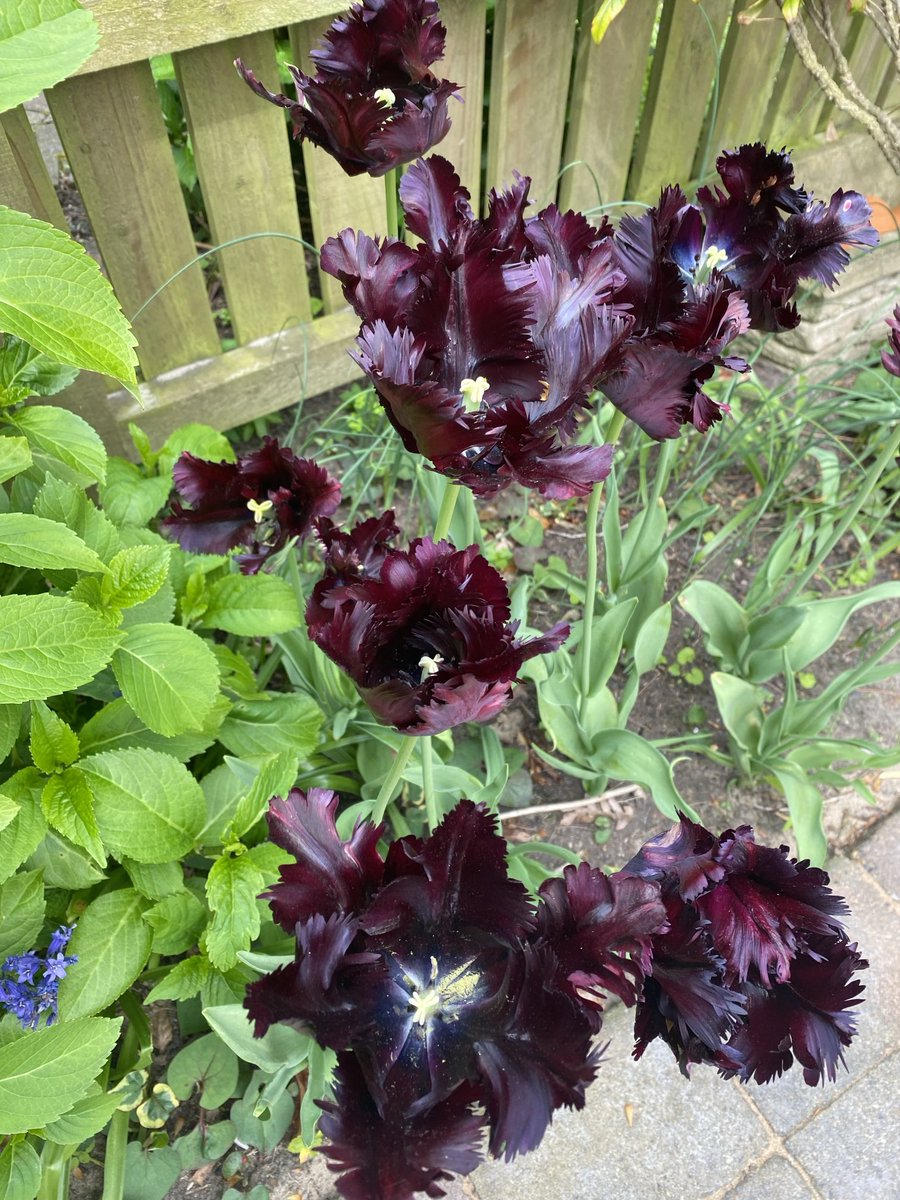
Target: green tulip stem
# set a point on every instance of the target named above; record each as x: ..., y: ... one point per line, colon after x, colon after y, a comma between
x: 445, y: 512
x: 428, y: 792
x: 591, y: 529
x: 386, y: 793
x: 391, y: 181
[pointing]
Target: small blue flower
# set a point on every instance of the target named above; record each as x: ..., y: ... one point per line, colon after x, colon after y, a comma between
x: 27, y: 997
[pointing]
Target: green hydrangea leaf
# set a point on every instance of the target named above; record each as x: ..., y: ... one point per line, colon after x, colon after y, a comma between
x: 168, y: 675
x: 148, y: 805
x: 112, y: 943
x: 232, y: 886
x: 45, y: 1072
x: 55, y: 297
x: 52, y: 742
x: 41, y: 42
x: 49, y: 645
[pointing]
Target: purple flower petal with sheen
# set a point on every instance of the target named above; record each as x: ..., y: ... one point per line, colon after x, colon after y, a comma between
x: 389, y: 1155
x: 330, y: 875
x: 427, y: 640
x: 891, y: 358
x: 260, y: 501
x: 373, y: 103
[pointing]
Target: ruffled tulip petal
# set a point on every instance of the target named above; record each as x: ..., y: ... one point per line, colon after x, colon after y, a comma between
x: 387, y: 1156
x: 330, y: 875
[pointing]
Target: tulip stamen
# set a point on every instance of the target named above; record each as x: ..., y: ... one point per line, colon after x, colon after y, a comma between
x: 472, y: 392
x: 259, y: 508
x: 385, y: 97
x: 430, y: 666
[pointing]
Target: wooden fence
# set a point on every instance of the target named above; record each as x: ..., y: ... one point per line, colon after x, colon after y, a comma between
x: 669, y: 85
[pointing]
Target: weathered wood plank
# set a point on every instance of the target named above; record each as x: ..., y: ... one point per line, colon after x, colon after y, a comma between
x: 683, y: 70
x: 799, y: 109
x: 750, y: 63
x: 606, y: 99
x: 262, y: 377
x: 112, y: 130
x: 464, y: 64
x: 244, y: 165
x: 530, y: 70
x: 336, y: 200
x: 20, y: 159
x: 130, y: 32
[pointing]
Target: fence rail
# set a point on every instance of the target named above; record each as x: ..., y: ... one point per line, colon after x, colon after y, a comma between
x: 669, y: 85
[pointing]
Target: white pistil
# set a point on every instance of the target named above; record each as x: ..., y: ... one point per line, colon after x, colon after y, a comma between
x: 259, y: 508
x: 430, y: 666
x: 472, y: 392
x: 385, y: 97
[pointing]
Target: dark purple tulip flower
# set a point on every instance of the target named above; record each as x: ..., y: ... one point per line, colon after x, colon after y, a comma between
x: 373, y: 103
x: 484, y: 342
x: 754, y: 969
x: 260, y: 501
x: 453, y: 1003
x: 891, y: 357
x: 697, y: 275
x: 424, y: 633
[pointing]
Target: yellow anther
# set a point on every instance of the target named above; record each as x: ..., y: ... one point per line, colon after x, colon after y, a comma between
x: 430, y: 666
x: 385, y: 97
x: 714, y: 257
x: 472, y: 392
x: 259, y: 508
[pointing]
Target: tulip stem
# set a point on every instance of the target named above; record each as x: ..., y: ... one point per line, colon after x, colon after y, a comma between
x: 591, y: 528
x: 388, y: 788
x: 445, y: 512
x: 428, y: 792
x: 390, y: 197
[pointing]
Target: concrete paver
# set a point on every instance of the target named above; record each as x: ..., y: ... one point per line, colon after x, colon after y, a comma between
x: 688, y: 1137
x: 879, y: 855
x: 776, y: 1179
x: 850, y: 1150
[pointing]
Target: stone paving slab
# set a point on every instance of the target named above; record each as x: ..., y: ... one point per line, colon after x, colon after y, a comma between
x: 850, y: 1151
x: 880, y: 855
x: 776, y: 1179
x: 688, y: 1137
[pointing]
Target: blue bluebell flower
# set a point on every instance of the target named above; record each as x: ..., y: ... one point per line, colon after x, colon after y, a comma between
x: 29, y: 983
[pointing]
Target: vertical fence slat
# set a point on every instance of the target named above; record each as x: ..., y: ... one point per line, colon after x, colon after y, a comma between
x: 798, y: 106
x: 530, y: 72
x: 115, y: 140
x: 251, y: 191
x: 606, y: 99
x: 336, y: 200
x: 869, y: 60
x: 26, y: 162
x: 684, y: 67
x: 750, y: 63
x: 464, y: 64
